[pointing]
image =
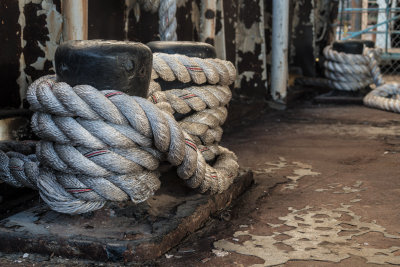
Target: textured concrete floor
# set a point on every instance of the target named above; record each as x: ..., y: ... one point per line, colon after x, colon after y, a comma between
x: 327, y: 193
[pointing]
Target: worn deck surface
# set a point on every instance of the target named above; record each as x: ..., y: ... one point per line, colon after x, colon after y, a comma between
x: 337, y: 203
x: 119, y: 232
x: 326, y: 193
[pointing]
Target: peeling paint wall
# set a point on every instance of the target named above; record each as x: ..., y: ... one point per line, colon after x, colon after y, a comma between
x: 250, y: 49
x: 30, y: 31
x: 302, y: 40
x: 41, y: 27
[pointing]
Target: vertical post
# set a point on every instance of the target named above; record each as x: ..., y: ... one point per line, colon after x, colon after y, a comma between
x: 220, y: 44
x: 356, y: 17
x: 364, y: 19
x: 387, y: 26
x: 75, y: 13
x: 207, y: 21
x: 341, y: 7
x: 279, y: 65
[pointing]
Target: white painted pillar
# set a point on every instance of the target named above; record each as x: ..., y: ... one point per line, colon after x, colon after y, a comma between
x: 381, y: 37
x: 279, y: 65
x: 220, y: 45
x: 75, y: 13
x: 207, y: 20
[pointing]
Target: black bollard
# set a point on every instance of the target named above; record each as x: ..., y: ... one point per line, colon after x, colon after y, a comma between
x: 105, y: 65
x: 190, y: 49
x: 352, y: 46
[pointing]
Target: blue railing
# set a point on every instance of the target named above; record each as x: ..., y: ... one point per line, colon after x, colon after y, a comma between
x: 389, y: 11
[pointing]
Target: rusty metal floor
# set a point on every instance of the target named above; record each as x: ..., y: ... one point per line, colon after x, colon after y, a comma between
x: 326, y: 193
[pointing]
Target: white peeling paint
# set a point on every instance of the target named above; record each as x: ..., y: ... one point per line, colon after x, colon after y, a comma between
x: 263, y: 54
x: 272, y: 166
x: 195, y: 16
x: 207, y: 25
x: 315, y: 235
x: 22, y: 83
x: 247, y: 74
x: 302, y: 171
x: 39, y: 63
x: 246, y: 41
x: 220, y: 45
x: 54, y: 22
x: 336, y: 188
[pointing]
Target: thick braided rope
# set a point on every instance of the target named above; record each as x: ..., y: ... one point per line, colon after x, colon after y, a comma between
x: 167, y: 20
x: 204, y: 113
x: 200, y: 110
x: 386, y: 97
x: 375, y: 58
x: 98, y: 146
x: 352, y: 72
x: 192, y: 69
x: 348, y: 72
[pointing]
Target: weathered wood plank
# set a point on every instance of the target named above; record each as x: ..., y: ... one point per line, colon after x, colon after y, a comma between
x: 126, y: 231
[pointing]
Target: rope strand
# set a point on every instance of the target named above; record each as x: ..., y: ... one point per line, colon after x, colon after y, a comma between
x: 99, y: 146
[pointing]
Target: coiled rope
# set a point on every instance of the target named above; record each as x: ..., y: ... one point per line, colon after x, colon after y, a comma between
x: 99, y: 146
x: 348, y: 72
x: 167, y: 17
x: 385, y: 97
x: 352, y: 72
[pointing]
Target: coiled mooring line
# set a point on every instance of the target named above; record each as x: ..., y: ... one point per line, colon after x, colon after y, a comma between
x: 352, y: 72
x: 99, y: 146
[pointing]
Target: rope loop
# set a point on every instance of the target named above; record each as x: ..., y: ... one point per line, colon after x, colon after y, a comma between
x: 99, y: 146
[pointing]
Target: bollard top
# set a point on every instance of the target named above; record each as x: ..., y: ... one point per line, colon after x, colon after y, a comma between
x: 352, y: 46
x: 190, y: 49
x: 106, y: 65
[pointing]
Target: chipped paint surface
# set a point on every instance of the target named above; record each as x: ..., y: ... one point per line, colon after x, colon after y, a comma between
x: 250, y: 48
x: 239, y: 34
x: 322, y: 234
x: 22, y: 79
x: 299, y: 170
x: 272, y: 166
x: 219, y: 42
x: 315, y: 233
x: 54, y: 28
x: 337, y: 188
x: 208, y: 21
x: 54, y: 22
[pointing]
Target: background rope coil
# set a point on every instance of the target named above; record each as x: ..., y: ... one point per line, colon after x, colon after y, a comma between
x: 386, y: 97
x: 352, y: 72
x: 99, y: 146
